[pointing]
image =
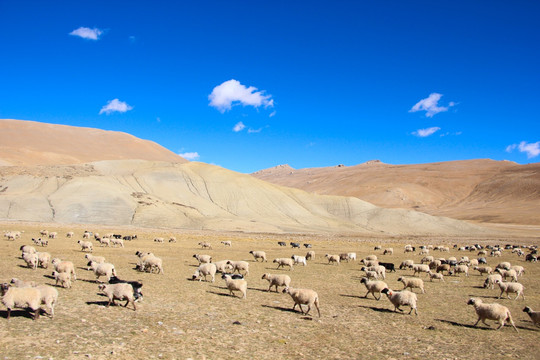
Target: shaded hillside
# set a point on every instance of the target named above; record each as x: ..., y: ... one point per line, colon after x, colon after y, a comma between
x: 483, y: 190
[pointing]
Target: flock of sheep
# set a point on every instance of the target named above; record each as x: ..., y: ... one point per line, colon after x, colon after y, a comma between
x: 29, y: 295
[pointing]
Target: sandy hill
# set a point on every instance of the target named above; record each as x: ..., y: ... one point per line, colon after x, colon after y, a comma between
x: 35, y: 143
x: 481, y: 190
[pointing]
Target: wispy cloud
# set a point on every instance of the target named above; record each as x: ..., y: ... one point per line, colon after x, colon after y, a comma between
x: 115, y: 106
x: 231, y: 92
x: 191, y: 156
x: 272, y: 114
x: 531, y: 149
x: 239, y: 127
x: 426, y: 132
x: 252, y: 131
x: 87, y: 33
x: 430, y: 105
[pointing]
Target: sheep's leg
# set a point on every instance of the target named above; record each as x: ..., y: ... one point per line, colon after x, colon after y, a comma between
x: 8, y: 313
x: 376, y: 297
x: 500, y: 294
x: 127, y: 302
x: 368, y: 294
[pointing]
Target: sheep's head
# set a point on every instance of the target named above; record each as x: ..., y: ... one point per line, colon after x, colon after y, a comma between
x: 473, y: 301
x: 102, y: 287
x: 386, y: 291
x: 363, y: 280
x: 265, y: 276
x: 527, y: 309
x: 286, y: 290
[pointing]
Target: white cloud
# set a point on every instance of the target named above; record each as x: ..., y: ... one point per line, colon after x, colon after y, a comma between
x: 426, y: 132
x: 115, y: 105
x: 251, y: 131
x: 531, y: 149
x: 239, y: 127
x: 191, y: 156
x: 430, y: 105
x: 272, y: 114
x: 87, y: 33
x: 225, y: 95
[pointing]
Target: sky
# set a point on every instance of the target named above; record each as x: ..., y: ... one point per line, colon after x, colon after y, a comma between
x: 249, y: 85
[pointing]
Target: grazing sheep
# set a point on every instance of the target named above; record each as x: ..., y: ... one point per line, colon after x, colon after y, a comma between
x: 370, y: 274
x: 43, y: 259
x: 282, y: 243
x: 412, y: 283
x: 205, y: 245
x: 284, y: 261
x: 408, y: 248
x: 22, y: 298
x: 27, y: 249
x: 227, y: 243
x: 235, y: 285
x: 64, y: 266
x: 303, y: 297
x: 117, y: 242
x: 437, y: 276
x: 406, y: 264
x: 31, y: 260
x: 203, y: 259
x: 49, y: 297
x: 370, y: 262
x: 222, y: 266
x: 504, y: 265
x: 70, y: 234
x: 420, y: 268
x: 53, y: 235
x: 96, y: 259
x: 371, y: 257
x: 443, y: 267
x: 490, y: 280
x: 508, y: 274
x: 103, y: 269
x: 534, y: 315
x: 474, y: 262
x: 424, y: 252
x: 401, y: 298
x: 352, y: 256
x: 259, y: 255
x: 238, y: 266
x: 332, y: 258
x: 172, y: 239
x: 483, y: 269
x: 427, y: 259
x: 307, y: 246
x: 433, y: 265
x: 373, y: 287
x: 388, y: 266
x: 137, y: 285
x: 86, y: 245
x: 150, y: 262
x: 294, y: 244
x: 388, y: 251
x: 510, y: 287
x: 520, y: 270
x: 310, y: 255
x: 299, y: 260
x: 277, y: 280
x: 22, y: 284
x: 377, y: 247
x: 343, y: 257
x: 119, y: 291
x: 205, y: 270
x: 460, y: 269
x: 63, y: 278
x: 159, y: 239
x: 44, y: 233
x: 493, y: 311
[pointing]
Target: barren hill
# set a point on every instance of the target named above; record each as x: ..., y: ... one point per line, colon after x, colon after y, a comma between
x: 35, y: 143
x: 481, y: 190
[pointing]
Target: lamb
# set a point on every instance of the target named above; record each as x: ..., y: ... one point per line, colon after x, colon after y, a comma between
x: 259, y: 255
x: 64, y: 266
x: 401, y: 298
x: 406, y: 264
x: 103, y: 269
x: 412, y: 283
x: 205, y: 270
x: 493, y: 311
x: 235, y: 285
x: 277, y: 280
x: 460, y: 269
x: 303, y: 297
x: 119, y: 291
x: 43, y: 259
x: 31, y: 260
x: 22, y: 298
x: 203, y: 259
x: 508, y: 274
x: 227, y: 243
x: 379, y: 269
x: 373, y: 287
x: 310, y: 255
x: 299, y: 260
x: 388, y: 251
x: 86, y: 245
x: 370, y: 274
x: 63, y: 278
x: 332, y: 258
x: 419, y: 268
x: 510, y: 287
x: 49, y: 297
x: 222, y: 266
x: 239, y: 265
x: 284, y: 261
x: 435, y: 276
x: 352, y: 256
x: 22, y: 284
x: 205, y: 245
x: 483, y: 269
x: 534, y: 315
x: 490, y: 280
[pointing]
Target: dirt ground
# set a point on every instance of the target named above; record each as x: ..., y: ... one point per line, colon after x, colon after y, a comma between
x: 180, y: 318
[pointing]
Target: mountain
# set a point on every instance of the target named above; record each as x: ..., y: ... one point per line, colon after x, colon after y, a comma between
x: 480, y: 190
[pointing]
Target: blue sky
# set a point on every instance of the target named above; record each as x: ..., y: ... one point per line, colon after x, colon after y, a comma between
x: 249, y: 85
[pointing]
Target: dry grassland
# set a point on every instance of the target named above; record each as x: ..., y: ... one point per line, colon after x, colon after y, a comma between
x: 181, y: 319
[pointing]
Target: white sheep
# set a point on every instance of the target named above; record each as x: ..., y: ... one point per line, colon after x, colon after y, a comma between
x: 222, y: 266
x: 352, y: 256
x: 103, y: 269
x: 370, y: 274
x: 63, y: 278
x: 490, y: 280
x: 235, y: 285
x: 31, y: 260
x: 159, y: 239
x: 411, y: 283
x: 371, y: 257
x: 227, y: 243
x: 203, y: 259
x: 310, y: 255
x: 22, y: 284
x: 504, y: 265
x: 86, y: 245
x: 205, y: 270
x: 277, y: 280
x: 239, y: 266
x: 344, y: 257
x: 303, y: 297
x: 534, y: 315
x: 511, y: 287
x: 172, y: 239
x: 120, y: 291
x: 427, y: 259
x: 150, y: 262
x: 373, y: 287
x: 284, y: 262
x: 483, y: 269
x: 299, y: 260
x: 27, y: 249
x: 437, y: 276
x: 49, y: 298
x: 53, y: 235
x: 205, y: 245
x: 64, y: 266
x: 473, y: 262
x: 117, y: 242
x: 43, y: 259
x: 406, y: 264
x: 388, y: 251
x: 332, y: 258
x: 402, y: 298
x: 22, y: 298
x: 70, y: 234
x: 508, y: 274
x: 460, y: 269
x: 493, y: 311
x: 96, y: 259
x: 520, y: 270
x: 259, y: 255
x: 420, y: 268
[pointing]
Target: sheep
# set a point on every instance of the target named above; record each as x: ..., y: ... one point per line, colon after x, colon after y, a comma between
x: 427, y: 259
x: 96, y: 259
x: 490, y: 280
x: 44, y: 233
x: 433, y: 265
x: 137, y: 285
x: 370, y: 262
x: 343, y: 257
x: 284, y: 261
x: 303, y: 297
x: 277, y: 280
x: 508, y: 274
x: 204, y: 270
x: 239, y: 265
x: 377, y: 247
x: 510, y: 287
x: 401, y: 298
x: 406, y: 264
x: 227, y: 243
x: 117, y: 242
x: 235, y: 285
x: 64, y: 266
x: 172, y: 239
x: 22, y: 284
x: 86, y: 245
x: 534, y: 315
x: 496, y: 253
x: 408, y: 248
x: 371, y: 257
x: 310, y: 255
x: 119, y: 291
x: 332, y: 258
x: 205, y: 245
x: 370, y: 274
x: 388, y: 251
x: 412, y: 283
x: 70, y: 234
x: 474, y: 262
x: 424, y: 252
x: 460, y: 269
x: 49, y: 297
x: 86, y: 235
x: 203, y: 259
x: 435, y: 276
x: 282, y: 243
x: 520, y: 270
x: 419, y: 268
x: 63, y: 278
x: 493, y: 311
x: 373, y: 287
x: 43, y: 259
x: 31, y: 260
x: 352, y: 256
x: 443, y: 267
x: 306, y: 245
x: 299, y: 260
x: 159, y: 239
x: 483, y: 269
x: 22, y: 298
x: 151, y: 262
x: 259, y: 255
x: 103, y: 269
x: 464, y: 260
x: 222, y: 266
x: 294, y: 244
x: 27, y: 249
x: 53, y: 235
x: 504, y: 265
x: 388, y: 266
x: 380, y: 270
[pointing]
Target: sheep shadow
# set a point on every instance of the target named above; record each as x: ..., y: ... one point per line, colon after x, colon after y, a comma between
x: 262, y: 290
x: 49, y: 277
x: 352, y: 296
x: 485, y: 296
x: 281, y: 308
x: 480, y: 325
x: 24, y: 266
x: 223, y: 294
x: 98, y: 303
x: 385, y: 310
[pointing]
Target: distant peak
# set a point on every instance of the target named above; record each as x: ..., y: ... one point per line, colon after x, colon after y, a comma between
x: 373, y: 162
x: 280, y: 168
